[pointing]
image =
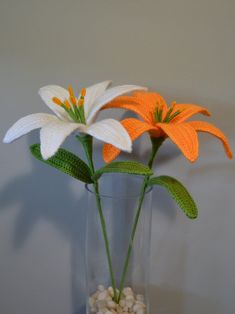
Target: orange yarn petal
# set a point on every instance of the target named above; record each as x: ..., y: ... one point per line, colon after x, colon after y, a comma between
x: 130, y: 103
x: 213, y: 130
x: 110, y: 152
x: 187, y: 111
x: 135, y: 129
x: 151, y: 101
x: 184, y: 136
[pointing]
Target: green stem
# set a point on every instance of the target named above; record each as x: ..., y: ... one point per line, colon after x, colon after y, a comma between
x: 87, y: 144
x: 156, y: 143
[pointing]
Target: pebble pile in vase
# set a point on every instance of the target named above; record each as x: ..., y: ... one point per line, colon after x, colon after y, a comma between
x: 101, y: 302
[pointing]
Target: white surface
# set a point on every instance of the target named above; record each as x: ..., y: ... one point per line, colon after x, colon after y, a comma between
x: 183, y: 49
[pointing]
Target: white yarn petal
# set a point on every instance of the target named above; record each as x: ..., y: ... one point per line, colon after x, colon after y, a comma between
x: 92, y: 93
x: 50, y: 91
x: 54, y: 134
x: 112, y: 132
x: 27, y: 124
x: 109, y: 95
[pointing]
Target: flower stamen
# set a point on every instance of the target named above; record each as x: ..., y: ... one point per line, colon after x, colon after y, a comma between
x: 67, y: 104
x: 73, y: 106
x: 72, y: 98
x: 82, y: 97
x: 158, y: 113
x: 57, y: 101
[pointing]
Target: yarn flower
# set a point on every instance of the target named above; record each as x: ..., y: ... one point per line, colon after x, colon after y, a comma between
x: 162, y: 121
x: 74, y: 114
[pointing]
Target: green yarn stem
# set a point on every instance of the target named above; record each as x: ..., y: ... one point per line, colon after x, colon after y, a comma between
x: 156, y: 143
x: 87, y: 144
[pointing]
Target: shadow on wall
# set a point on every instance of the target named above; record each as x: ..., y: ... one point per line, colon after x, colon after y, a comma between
x: 45, y: 194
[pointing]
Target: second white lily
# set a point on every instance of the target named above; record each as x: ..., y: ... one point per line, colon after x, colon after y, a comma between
x: 74, y: 114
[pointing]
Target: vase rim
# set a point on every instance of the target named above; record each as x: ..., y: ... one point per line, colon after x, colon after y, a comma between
x: 88, y: 187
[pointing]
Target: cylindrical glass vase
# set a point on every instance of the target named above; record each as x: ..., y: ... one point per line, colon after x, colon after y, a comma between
x: 118, y: 198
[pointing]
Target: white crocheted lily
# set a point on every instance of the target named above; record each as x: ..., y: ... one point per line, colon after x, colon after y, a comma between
x: 74, y: 114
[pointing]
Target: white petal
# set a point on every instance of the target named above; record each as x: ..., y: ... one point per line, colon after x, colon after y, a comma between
x: 112, y: 132
x: 53, y: 135
x: 92, y: 93
x: 27, y: 124
x: 109, y: 95
x: 50, y: 91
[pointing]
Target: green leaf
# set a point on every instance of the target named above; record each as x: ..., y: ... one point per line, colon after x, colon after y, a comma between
x: 179, y: 193
x: 131, y: 167
x: 66, y: 162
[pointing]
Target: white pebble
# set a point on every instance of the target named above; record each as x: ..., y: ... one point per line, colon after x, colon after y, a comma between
x: 93, y: 310
x: 101, y: 288
x: 119, y: 310
x: 140, y: 303
x: 122, y: 303
x: 110, y: 291
x: 127, y: 291
x: 130, y: 297
x: 102, y: 295
x: 108, y: 312
x: 111, y: 304
x: 140, y: 311
x: 129, y: 304
x: 140, y: 297
x: 101, y: 304
x: 136, y: 307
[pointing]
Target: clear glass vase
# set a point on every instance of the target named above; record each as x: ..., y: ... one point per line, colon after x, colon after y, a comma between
x: 119, y: 196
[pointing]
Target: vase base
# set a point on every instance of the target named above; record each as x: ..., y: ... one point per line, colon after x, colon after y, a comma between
x: 101, y: 302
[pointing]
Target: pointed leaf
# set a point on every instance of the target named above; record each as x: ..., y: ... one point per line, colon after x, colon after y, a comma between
x: 131, y: 167
x: 66, y: 162
x: 179, y: 193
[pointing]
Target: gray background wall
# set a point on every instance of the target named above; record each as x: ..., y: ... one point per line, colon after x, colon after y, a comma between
x: 182, y: 48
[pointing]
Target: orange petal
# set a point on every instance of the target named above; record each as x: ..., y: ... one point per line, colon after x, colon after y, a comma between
x: 210, y: 128
x: 130, y: 103
x: 151, y: 101
x: 184, y: 136
x: 187, y: 111
x: 135, y: 129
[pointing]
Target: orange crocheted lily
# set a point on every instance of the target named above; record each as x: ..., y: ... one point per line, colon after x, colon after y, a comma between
x: 162, y: 121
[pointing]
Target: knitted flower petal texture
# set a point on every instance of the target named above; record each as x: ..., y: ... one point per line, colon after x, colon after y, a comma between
x: 112, y: 132
x: 28, y: 124
x: 109, y: 95
x: 54, y: 134
x: 135, y: 128
x: 47, y: 93
x: 130, y: 103
x: 203, y: 126
x: 184, y: 136
x: 187, y: 111
x: 151, y: 101
x: 92, y: 93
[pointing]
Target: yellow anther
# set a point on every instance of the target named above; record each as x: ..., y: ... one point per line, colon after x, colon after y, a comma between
x: 57, y: 101
x: 73, y: 100
x: 70, y: 90
x: 71, y: 95
x: 83, y: 92
x: 81, y: 102
x: 66, y: 103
